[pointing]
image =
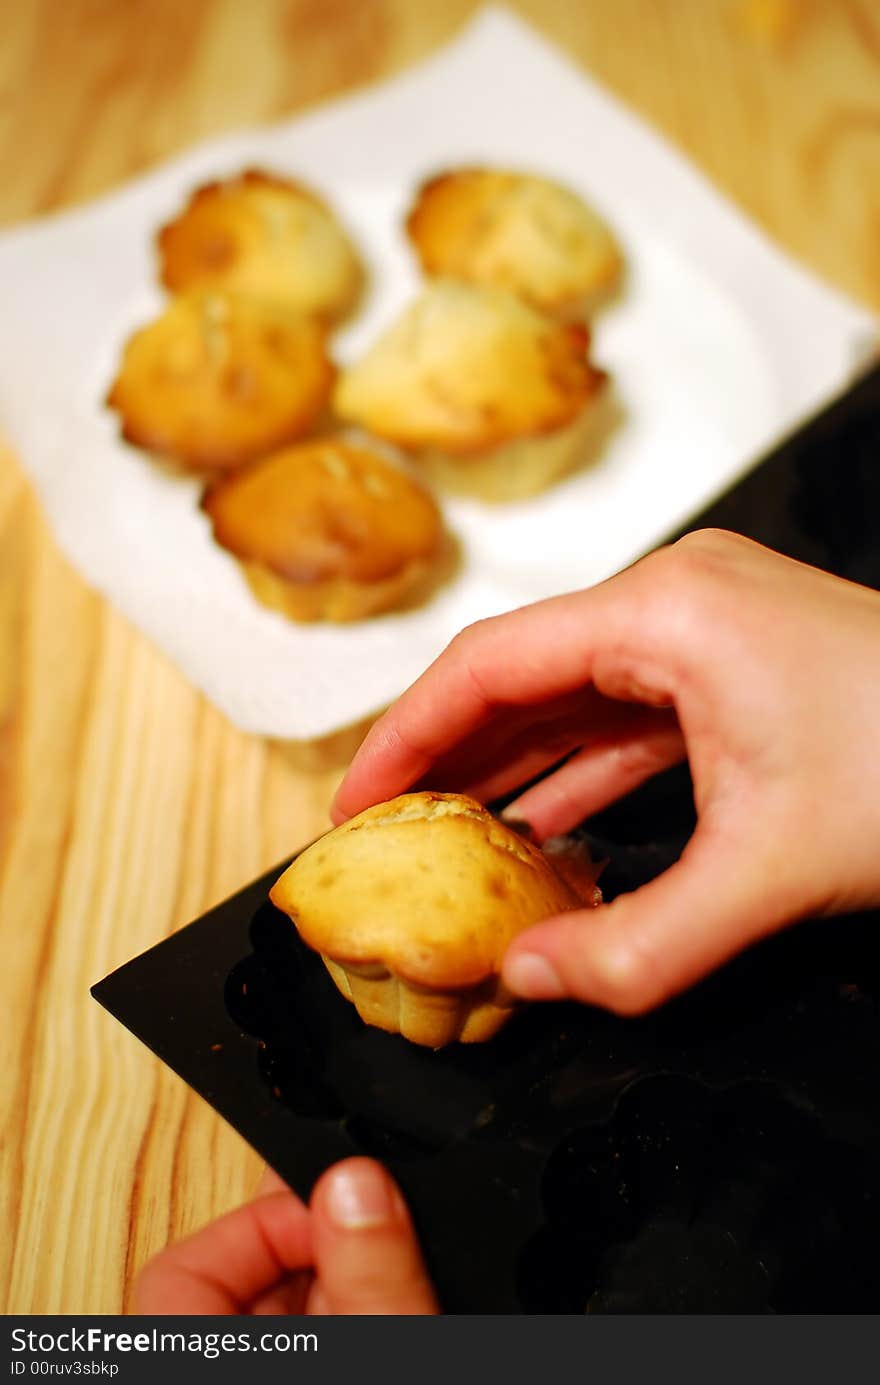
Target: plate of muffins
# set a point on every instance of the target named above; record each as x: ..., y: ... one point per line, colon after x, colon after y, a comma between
x: 308, y: 399
x: 325, y: 482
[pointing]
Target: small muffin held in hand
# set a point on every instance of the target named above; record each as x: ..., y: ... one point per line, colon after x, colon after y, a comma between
x: 217, y: 380
x: 516, y: 231
x: 325, y: 530
x: 262, y: 235
x: 412, y: 905
x: 493, y: 398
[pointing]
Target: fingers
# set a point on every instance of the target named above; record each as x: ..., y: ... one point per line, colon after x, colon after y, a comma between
x: 355, y: 1253
x: 271, y: 1182
x: 224, y: 1267
x: 367, y: 1258
x: 599, y: 775
x: 396, y: 763
x: 641, y: 637
x: 645, y: 947
x: 489, y: 784
x: 526, y: 657
x: 289, y: 1296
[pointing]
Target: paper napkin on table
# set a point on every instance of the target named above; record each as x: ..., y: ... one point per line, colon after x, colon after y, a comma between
x: 719, y: 344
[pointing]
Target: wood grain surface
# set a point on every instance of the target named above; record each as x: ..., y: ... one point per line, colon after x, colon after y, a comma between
x: 127, y: 804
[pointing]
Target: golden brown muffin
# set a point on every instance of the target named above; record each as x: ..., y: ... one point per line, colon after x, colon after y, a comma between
x: 217, y: 380
x: 492, y: 397
x: 412, y: 905
x: 328, y: 531
x: 519, y: 232
x: 262, y: 235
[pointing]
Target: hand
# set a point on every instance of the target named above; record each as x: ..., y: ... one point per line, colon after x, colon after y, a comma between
x: 353, y: 1250
x: 763, y: 672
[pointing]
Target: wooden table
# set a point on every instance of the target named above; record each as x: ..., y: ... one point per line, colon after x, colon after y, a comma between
x: 127, y: 804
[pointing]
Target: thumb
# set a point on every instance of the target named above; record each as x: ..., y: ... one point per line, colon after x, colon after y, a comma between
x: 644, y: 947
x: 367, y: 1258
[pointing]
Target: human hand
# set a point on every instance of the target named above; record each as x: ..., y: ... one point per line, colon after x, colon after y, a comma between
x: 765, y: 673
x: 353, y: 1250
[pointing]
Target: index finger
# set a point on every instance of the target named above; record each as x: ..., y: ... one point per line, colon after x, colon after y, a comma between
x: 526, y: 656
x: 225, y: 1266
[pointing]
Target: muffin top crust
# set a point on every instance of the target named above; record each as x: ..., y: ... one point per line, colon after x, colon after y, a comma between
x: 468, y: 367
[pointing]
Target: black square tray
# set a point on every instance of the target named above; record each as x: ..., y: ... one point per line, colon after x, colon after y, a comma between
x: 722, y: 1155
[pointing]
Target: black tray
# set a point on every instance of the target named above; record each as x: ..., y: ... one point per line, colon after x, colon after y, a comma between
x: 722, y: 1155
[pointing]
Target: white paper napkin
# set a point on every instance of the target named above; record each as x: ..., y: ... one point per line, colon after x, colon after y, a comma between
x: 718, y: 346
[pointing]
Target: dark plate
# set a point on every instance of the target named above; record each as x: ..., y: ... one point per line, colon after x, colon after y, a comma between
x: 722, y: 1155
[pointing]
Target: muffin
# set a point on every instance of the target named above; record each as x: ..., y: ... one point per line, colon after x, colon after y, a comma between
x: 518, y: 232
x: 217, y: 380
x: 262, y: 235
x: 326, y: 530
x: 490, y: 396
x: 412, y: 905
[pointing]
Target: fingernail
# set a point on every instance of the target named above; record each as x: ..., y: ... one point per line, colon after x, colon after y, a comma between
x: 359, y: 1196
x: 533, y: 977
